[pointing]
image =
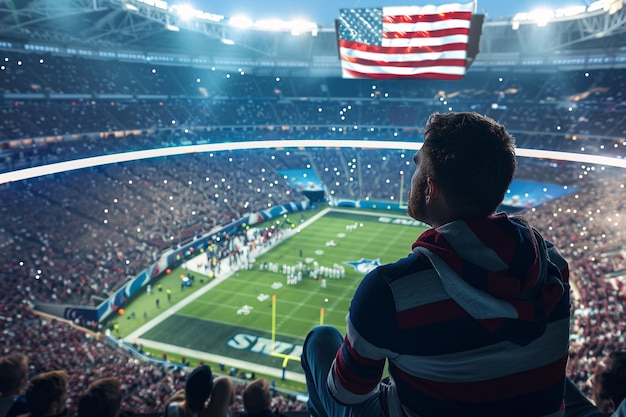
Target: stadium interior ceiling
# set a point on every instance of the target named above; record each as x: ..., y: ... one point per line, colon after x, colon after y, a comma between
x: 155, y: 31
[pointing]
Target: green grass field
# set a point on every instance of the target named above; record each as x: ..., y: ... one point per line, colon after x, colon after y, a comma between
x: 298, y: 306
x: 234, y: 319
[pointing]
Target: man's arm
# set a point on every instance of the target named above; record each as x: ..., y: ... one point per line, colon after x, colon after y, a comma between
x: 360, y: 361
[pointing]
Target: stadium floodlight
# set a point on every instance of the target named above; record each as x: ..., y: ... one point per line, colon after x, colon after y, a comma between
x: 570, y: 11
x: 172, y: 28
x: 226, y: 41
x: 301, y: 26
x: 615, y: 6
x: 159, y: 4
x: 131, y: 7
x: 184, y: 11
x: 271, y: 24
x: 240, y: 22
x: 541, y: 16
x: 296, y: 26
x: 604, y: 5
x: 520, y: 17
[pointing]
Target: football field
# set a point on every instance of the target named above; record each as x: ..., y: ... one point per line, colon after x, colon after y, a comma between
x: 311, y: 276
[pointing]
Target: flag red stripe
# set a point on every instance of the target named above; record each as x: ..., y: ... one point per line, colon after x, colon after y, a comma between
x: 401, y: 50
x: 426, y: 34
x: 424, y: 75
x: 408, y: 64
x: 436, y: 312
x: 351, y: 381
x: 514, y: 385
x: 424, y: 18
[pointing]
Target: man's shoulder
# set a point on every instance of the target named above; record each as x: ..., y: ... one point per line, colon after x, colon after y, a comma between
x: 17, y: 406
x: 412, y: 264
x: 406, y: 274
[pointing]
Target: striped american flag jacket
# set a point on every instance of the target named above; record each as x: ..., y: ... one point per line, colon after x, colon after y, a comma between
x: 475, y: 322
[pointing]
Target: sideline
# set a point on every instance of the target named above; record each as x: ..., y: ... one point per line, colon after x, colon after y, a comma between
x: 225, y: 272
x: 237, y: 363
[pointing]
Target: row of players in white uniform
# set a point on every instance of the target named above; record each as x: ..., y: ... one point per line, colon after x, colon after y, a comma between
x: 295, y: 273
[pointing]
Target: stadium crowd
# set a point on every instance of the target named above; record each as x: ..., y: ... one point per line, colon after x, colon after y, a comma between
x: 72, y: 238
x: 104, y: 106
x: 588, y: 228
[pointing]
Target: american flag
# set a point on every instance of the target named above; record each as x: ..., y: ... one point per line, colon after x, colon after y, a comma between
x: 405, y: 41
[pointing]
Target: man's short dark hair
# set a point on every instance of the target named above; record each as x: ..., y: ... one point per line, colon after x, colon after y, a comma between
x: 44, y: 390
x: 257, y: 397
x: 472, y: 158
x: 13, y: 373
x: 103, y: 398
x: 198, y: 387
x: 613, y: 380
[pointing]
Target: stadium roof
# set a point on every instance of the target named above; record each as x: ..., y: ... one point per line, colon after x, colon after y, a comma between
x: 152, y: 28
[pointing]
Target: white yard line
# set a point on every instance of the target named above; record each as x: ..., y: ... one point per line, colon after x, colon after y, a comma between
x: 225, y: 273
x: 239, y: 364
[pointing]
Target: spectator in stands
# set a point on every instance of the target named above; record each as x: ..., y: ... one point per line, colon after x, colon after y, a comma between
x: 103, y: 398
x: 257, y: 399
x: 202, y: 397
x: 13, y: 379
x: 608, y: 388
x: 46, y: 395
x: 475, y: 322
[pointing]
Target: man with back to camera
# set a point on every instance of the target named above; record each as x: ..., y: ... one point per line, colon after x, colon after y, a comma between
x: 13, y: 379
x: 203, y: 396
x: 257, y: 399
x: 103, y: 398
x: 46, y: 395
x: 474, y: 322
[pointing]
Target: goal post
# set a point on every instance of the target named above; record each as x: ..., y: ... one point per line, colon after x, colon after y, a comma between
x: 286, y: 358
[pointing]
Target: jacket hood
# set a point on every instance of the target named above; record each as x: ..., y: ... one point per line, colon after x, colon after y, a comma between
x: 499, y: 270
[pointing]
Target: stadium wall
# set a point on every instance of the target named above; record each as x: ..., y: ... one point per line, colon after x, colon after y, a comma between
x: 370, y: 205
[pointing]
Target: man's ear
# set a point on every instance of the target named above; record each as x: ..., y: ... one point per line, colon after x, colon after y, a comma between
x: 57, y: 406
x: 610, y: 406
x: 431, y: 189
